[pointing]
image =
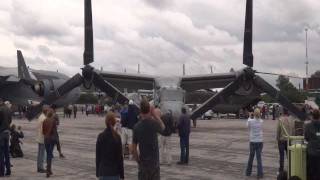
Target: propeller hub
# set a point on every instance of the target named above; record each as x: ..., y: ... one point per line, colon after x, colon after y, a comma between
x: 249, y: 73
x: 87, y: 72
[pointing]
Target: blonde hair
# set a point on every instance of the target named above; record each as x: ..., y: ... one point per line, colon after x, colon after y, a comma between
x: 257, y: 113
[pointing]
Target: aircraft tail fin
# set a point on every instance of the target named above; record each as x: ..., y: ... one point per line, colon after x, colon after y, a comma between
x: 23, y: 72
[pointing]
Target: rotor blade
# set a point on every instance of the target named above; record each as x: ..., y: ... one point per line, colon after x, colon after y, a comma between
x: 88, y: 34
x: 215, y: 99
x: 274, y: 93
x: 276, y: 74
x: 247, y: 43
x: 109, y: 89
x: 72, y: 83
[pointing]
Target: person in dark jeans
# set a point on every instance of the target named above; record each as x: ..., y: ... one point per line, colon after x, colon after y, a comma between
x: 132, y: 120
x: 109, y: 158
x: 256, y: 142
x: 184, y: 133
x: 312, y: 136
x: 75, y: 111
x: 56, y: 134
x: 49, y: 129
x: 145, y: 135
x: 5, y: 121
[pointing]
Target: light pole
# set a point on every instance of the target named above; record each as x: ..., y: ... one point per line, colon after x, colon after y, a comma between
x: 183, y: 69
x: 307, y: 62
x: 212, y: 68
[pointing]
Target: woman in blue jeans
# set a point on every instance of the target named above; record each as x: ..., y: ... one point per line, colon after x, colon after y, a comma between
x: 256, y: 142
x: 109, y: 158
x: 49, y: 128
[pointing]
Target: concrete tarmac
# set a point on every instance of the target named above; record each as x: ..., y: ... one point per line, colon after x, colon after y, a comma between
x: 218, y: 151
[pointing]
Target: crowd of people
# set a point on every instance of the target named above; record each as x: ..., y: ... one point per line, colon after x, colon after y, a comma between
x: 285, y: 128
x: 87, y: 109
x: 139, y: 131
x: 10, y: 139
x: 6, y: 119
x: 47, y: 138
x: 144, y: 134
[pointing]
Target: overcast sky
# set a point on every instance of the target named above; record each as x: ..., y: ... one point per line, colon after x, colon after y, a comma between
x: 160, y: 35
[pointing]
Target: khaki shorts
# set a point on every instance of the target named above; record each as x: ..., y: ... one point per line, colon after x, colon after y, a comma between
x: 126, y: 136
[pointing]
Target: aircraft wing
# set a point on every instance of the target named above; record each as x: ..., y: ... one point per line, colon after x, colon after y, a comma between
x: 17, y: 90
x: 8, y: 76
x: 232, y: 104
x: 210, y: 81
x: 131, y: 82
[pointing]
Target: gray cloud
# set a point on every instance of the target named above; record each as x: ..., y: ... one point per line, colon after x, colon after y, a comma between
x: 44, y: 50
x: 159, y: 3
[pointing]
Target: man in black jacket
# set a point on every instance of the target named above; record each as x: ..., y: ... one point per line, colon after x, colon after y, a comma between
x: 5, y: 121
x: 184, y: 133
x: 312, y: 136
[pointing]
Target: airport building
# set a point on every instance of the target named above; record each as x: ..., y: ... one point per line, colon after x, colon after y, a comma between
x: 313, y: 83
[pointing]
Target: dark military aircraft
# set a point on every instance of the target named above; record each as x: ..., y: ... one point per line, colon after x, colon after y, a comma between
x: 24, y: 86
x: 240, y: 88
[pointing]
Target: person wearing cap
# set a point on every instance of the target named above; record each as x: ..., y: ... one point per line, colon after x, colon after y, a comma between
x: 285, y: 128
x: 5, y: 122
x: 312, y: 136
x: 132, y: 119
x: 125, y: 136
x: 256, y: 142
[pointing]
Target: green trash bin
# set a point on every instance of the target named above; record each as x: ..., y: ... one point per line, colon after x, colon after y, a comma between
x: 297, y: 158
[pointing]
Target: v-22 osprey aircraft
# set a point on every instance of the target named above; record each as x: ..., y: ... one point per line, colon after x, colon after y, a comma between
x: 240, y: 88
x: 23, y: 86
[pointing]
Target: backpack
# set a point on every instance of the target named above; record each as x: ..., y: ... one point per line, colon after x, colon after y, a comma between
x: 168, y: 122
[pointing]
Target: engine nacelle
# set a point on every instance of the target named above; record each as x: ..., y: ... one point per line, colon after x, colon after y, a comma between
x: 43, y: 88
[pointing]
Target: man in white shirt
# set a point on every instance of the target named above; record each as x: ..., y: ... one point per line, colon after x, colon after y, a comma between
x: 256, y: 142
x: 40, y: 140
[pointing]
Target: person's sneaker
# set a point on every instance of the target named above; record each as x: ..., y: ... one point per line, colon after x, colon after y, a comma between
x: 49, y: 173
